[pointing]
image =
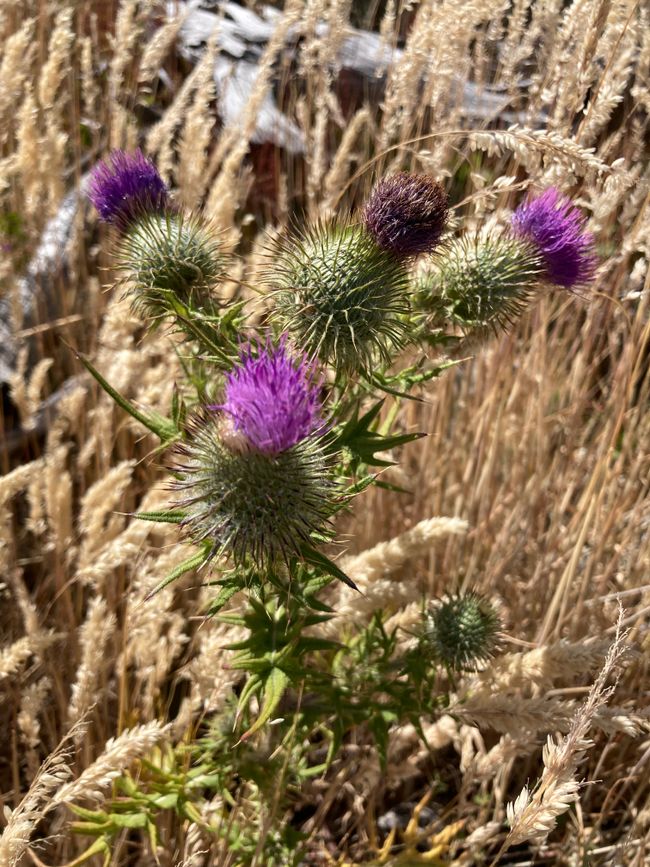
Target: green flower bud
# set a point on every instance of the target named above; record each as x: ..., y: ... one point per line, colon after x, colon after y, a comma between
x: 168, y: 257
x: 462, y: 630
x: 340, y: 296
x: 251, y: 504
x: 479, y: 282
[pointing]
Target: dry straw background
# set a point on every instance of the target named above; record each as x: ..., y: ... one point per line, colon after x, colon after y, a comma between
x: 537, y: 457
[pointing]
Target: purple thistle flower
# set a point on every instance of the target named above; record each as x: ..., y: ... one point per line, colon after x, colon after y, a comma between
x: 406, y: 214
x: 556, y: 228
x: 126, y: 185
x: 273, y: 398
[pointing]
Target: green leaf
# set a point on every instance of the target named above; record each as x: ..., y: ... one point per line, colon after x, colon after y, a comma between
x: 130, y: 820
x: 223, y: 597
x: 165, y: 517
x: 158, y: 424
x: 186, y: 566
x: 318, y: 559
x: 274, y: 687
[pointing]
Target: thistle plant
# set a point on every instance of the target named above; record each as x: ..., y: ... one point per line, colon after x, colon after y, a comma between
x: 480, y: 282
x: 341, y: 288
x: 407, y: 214
x: 277, y: 427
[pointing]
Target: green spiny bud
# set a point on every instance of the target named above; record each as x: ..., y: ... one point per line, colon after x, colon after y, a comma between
x: 168, y: 257
x: 254, y: 505
x: 341, y: 296
x: 463, y: 630
x: 479, y: 282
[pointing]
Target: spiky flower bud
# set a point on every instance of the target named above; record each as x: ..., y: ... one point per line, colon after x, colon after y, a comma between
x: 162, y: 253
x: 253, y: 476
x: 341, y: 297
x: 126, y: 186
x: 463, y: 630
x: 556, y: 228
x: 407, y: 214
x: 479, y: 282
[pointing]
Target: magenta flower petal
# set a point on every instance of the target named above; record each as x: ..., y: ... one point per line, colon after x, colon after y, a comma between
x: 273, y: 398
x: 556, y: 228
x: 126, y: 185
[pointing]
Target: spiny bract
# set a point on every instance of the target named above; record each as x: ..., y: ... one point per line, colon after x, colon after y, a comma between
x: 479, y: 282
x: 169, y: 254
x: 342, y: 298
x: 463, y: 630
x: 254, y: 506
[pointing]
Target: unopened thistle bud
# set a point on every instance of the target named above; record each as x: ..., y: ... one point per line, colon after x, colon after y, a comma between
x: 479, y: 282
x: 125, y: 187
x: 253, y: 476
x: 170, y: 255
x: 555, y: 227
x: 407, y: 214
x: 463, y: 631
x: 341, y: 297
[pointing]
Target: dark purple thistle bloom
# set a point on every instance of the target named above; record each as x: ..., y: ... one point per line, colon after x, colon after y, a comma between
x: 126, y: 185
x: 407, y: 214
x: 273, y: 398
x: 556, y: 228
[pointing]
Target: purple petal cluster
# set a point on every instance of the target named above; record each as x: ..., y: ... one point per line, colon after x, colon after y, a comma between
x: 126, y: 185
x: 407, y: 214
x: 273, y: 398
x: 556, y: 228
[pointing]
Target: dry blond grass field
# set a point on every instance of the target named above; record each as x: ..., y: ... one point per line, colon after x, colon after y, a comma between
x: 531, y: 486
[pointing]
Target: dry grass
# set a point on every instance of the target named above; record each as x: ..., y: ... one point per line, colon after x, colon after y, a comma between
x: 538, y: 444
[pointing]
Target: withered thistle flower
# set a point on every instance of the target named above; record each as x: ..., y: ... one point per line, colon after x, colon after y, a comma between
x: 463, y: 630
x: 340, y: 296
x: 253, y: 476
x: 556, y: 228
x: 407, y: 214
x: 126, y: 186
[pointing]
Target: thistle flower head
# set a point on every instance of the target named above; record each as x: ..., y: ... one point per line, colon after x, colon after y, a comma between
x: 340, y: 296
x: 556, y: 228
x: 479, y: 282
x: 463, y: 630
x: 273, y: 398
x: 406, y: 214
x: 169, y: 253
x: 255, y: 506
x: 125, y: 186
